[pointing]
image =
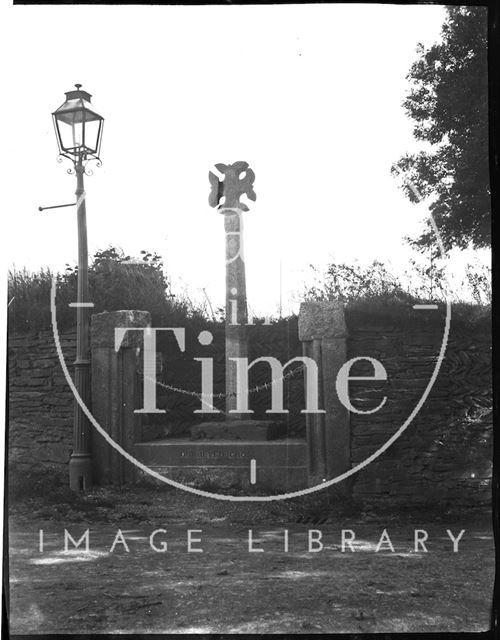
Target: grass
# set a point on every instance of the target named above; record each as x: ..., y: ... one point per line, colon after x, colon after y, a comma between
x: 43, y: 494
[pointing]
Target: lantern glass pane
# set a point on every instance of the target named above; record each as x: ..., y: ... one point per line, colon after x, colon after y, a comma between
x: 77, y: 132
x: 71, y: 134
x: 91, y: 134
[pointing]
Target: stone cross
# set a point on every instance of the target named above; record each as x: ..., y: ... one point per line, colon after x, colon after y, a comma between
x: 238, y: 180
x: 233, y: 186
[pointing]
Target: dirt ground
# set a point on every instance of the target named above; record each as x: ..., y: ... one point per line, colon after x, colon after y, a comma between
x: 228, y: 589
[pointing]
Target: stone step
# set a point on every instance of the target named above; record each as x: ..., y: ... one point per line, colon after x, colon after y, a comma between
x: 223, y: 465
x: 255, y: 430
x: 231, y: 480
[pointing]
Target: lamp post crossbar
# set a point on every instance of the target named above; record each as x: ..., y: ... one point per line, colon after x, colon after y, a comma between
x: 57, y: 206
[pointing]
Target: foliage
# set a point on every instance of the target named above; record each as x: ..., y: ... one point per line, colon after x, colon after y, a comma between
x: 29, y: 299
x: 478, y: 278
x: 448, y: 103
x: 423, y: 282
x: 352, y: 282
x: 116, y: 281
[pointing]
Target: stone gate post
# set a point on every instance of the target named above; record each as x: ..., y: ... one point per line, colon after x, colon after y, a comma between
x: 115, y: 391
x: 323, y: 333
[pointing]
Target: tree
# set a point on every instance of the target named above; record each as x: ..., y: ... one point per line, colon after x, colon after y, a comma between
x: 448, y: 102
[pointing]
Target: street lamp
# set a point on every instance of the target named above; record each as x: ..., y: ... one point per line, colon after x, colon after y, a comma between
x: 79, y: 130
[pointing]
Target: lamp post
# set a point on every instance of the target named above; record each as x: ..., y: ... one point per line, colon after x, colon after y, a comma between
x: 79, y: 130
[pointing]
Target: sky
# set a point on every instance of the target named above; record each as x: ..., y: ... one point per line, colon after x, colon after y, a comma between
x: 309, y: 95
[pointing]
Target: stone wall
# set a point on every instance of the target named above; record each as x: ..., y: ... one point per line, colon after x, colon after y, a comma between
x: 443, y: 456
x: 40, y: 401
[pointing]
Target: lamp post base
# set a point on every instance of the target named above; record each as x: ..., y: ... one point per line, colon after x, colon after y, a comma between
x: 80, y: 472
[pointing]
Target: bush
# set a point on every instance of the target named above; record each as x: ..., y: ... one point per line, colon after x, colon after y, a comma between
x: 371, y: 294
x: 423, y: 282
x: 116, y: 281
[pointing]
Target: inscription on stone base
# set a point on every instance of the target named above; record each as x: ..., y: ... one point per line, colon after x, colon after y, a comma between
x: 213, y: 454
x: 274, y: 453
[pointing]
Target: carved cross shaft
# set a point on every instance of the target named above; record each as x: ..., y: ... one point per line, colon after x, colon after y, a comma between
x: 238, y: 180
